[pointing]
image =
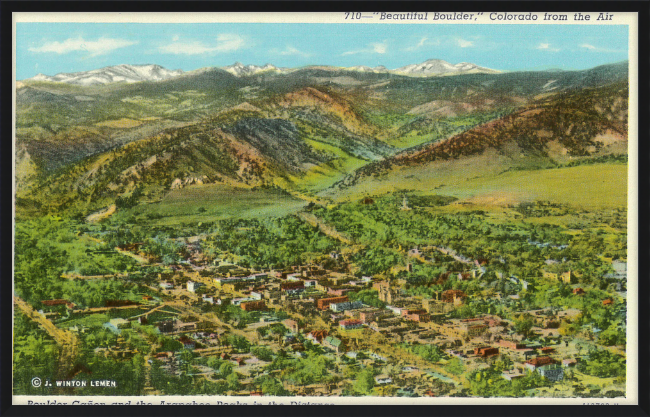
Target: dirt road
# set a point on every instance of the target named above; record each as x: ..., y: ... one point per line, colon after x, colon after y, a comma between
x: 65, y: 339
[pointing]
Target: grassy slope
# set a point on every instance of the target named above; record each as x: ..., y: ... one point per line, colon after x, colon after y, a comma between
x: 342, y: 116
x: 219, y: 201
x: 587, y: 186
x: 325, y: 175
x: 590, y: 186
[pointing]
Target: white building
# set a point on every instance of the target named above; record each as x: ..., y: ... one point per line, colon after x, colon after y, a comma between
x: 238, y: 301
x: 383, y: 379
x: 294, y: 277
x: 396, y: 310
x: 338, y: 307
x: 166, y: 285
x: 553, y: 372
x: 193, y: 286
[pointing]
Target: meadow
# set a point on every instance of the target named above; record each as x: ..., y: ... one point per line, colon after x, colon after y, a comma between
x: 210, y: 202
x: 597, y: 186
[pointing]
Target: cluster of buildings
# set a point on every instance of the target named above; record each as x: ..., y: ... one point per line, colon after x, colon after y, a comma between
x: 329, y: 293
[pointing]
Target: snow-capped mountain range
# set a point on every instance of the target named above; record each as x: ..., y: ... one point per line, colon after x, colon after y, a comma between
x: 241, y: 70
x: 118, y: 73
x: 363, y: 68
x: 440, y: 67
x: 138, y: 73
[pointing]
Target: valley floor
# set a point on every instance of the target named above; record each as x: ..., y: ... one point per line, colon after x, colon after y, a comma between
x: 400, y: 294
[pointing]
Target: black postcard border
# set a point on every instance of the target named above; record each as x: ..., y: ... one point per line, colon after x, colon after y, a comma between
x: 642, y: 7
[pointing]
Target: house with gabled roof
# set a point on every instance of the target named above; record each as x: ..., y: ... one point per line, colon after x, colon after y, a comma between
x: 538, y: 362
x: 316, y: 336
x: 350, y: 324
x: 334, y: 343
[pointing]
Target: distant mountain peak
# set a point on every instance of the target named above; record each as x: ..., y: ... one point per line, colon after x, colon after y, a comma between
x: 153, y: 72
x: 432, y: 67
x: 240, y: 70
x: 117, y: 73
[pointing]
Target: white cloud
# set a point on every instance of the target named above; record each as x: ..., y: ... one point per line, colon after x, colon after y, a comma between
x: 464, y: 43
x: 424, y: 41
x: 379, y: 48
x: 597, y: 49
x: 186, y: 48
x: 175, y: 38
x: 229, y: 42
x: 547, y: 47
x: 226, y: 42
x: 290, y: 50
x: 99, y: 47
x: 373, y: 48
x: 447, y: 42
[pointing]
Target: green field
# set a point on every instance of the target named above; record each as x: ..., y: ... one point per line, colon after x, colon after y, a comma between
x: 325, y: 175
x: 587, y: 186
x: 90, y: 320
x: 203, y: 203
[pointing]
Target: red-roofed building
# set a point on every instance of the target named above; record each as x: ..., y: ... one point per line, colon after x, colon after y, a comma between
x: 239, y: 361
x: 481, y: 262
x: 317, y: 335
x: 350, y: 324
x: 539, y: 361
x: 58, y: 302
x: 292, y: 286
x: 253, y: 305
x: 187, y: 342
x: 324, y: 303
x: 579, y: 291
x: 292, y: 325
x: 608, y: 302
x: 464, y: 276
x: 485, y: 351
x: 569, y: 362
x: 453, y: 296
x: 338, y: 291
x: 120, y: 303
x: 416, y: 315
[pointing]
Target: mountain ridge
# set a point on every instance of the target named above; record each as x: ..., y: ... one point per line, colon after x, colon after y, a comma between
x: 566, y: 128
x: 82, y: 147
x: 153, y: 72
x: 111, y: 74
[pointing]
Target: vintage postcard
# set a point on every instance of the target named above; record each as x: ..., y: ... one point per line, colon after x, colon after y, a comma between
x: 325, y: 208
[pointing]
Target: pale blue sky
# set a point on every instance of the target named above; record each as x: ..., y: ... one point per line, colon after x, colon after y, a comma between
x: 51, y: 48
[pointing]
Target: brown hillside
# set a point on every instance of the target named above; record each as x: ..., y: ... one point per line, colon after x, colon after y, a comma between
x: 556, y: 129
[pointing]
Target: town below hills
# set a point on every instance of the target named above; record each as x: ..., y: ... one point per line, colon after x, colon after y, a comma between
x: 252, y: 231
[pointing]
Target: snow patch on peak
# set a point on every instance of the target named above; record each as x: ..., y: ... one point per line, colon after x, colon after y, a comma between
x: 118, y: 73
x: 240, y: 70
x: 434, y: 67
